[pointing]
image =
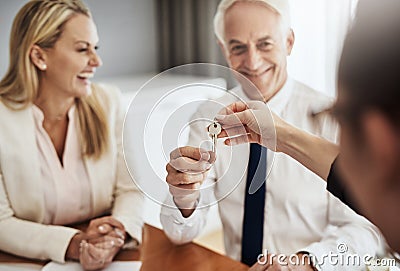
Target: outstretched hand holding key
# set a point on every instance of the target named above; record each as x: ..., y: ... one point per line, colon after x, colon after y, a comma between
x: 187, y: 169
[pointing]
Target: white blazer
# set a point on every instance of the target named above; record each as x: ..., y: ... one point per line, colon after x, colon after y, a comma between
x: 22, y: 194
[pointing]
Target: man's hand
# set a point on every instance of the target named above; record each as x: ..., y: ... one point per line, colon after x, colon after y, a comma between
x: 187, y: 170
x: 249, y: 122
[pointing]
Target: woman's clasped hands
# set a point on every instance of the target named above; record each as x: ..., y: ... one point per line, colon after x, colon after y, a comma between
x: 97, y: 246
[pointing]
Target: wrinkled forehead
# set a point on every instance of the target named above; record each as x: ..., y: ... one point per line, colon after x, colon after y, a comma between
x: 247, y: 21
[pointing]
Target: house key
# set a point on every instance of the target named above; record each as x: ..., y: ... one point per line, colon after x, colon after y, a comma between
x: 214, y: 130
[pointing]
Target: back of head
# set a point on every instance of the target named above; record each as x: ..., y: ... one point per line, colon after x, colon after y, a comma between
x: 368, y: 71
x: 368, y: 102
x: 280, y: 6
x: 38, y: 22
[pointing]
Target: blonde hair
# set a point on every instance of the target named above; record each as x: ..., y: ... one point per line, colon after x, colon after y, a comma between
x: 41, y: 23
x: 279, y: 6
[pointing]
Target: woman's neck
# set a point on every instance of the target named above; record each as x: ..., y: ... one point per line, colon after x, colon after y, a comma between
x: 54, y: 108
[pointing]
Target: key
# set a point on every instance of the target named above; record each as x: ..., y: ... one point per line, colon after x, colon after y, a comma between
x: 214, y: 130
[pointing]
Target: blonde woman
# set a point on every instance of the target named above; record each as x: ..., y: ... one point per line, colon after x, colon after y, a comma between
x: 61, y: 160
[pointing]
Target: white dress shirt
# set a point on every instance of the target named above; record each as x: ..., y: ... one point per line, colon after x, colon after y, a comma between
x: 300, y: 215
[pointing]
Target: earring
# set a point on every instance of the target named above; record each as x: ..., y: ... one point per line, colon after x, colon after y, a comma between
x: 44, y: 67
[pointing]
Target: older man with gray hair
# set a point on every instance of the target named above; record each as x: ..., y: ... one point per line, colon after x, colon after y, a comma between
x: 291, y: 214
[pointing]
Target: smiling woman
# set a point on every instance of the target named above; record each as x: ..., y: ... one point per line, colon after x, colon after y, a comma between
x: 61, y: 141
x: 72, y: 59
x: 65, y: 69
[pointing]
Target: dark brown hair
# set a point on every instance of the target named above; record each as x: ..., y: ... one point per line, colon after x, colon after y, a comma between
x: 369, y: 68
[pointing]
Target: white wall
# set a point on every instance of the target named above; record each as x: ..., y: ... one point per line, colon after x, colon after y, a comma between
x: 128, y: 39
x: 127, y: 30
x: 320, y: 27
x: 8, y: 9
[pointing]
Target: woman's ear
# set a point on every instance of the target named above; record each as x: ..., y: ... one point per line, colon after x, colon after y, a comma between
x: 38, y: 57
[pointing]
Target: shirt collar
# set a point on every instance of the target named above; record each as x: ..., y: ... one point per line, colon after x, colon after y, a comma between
x: 279, y: 101
x: 39, y: 116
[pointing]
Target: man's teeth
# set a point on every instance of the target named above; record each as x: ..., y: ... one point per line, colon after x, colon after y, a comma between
x: 86, y: 75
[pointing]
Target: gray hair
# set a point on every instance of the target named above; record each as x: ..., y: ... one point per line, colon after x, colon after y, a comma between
x: 279, y: 6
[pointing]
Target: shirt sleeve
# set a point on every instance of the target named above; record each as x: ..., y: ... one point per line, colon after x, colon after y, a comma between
x: 181, y: 230
x: 348, y: 242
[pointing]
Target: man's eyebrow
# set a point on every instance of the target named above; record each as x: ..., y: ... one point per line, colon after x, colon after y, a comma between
x: 234, y: 41
x: 265, y: 38
x: 260, y: 39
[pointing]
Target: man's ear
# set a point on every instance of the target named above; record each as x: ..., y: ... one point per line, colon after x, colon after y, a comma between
x: 382, y: 140
x: 290, y: 42
x: 38, y: 57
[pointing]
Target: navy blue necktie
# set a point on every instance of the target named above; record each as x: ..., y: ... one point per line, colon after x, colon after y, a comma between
x: 253, y: 219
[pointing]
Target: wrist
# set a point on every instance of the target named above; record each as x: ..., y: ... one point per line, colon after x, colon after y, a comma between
x: 73, y: 252
x: 284, y: 135
x: 187, y: 208
x: 187, y: 202
x: 186, y: 205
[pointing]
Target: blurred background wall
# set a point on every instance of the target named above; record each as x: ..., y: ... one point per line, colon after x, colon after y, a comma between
x: 127, y: 30
x: 149, y: 36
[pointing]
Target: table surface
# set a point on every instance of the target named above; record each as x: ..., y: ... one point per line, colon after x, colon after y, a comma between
x: 158, y: 253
